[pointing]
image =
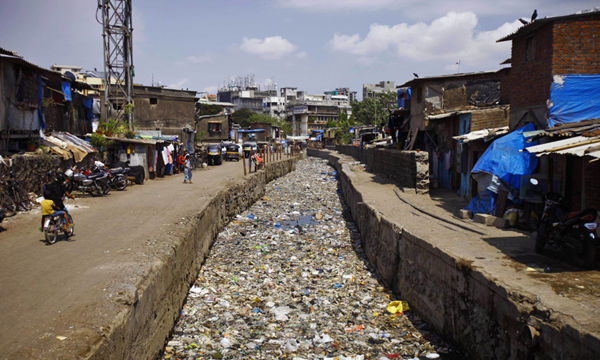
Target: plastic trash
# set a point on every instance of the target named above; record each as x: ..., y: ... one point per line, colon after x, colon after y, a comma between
x: 397, y: 307
x: 287, y: 279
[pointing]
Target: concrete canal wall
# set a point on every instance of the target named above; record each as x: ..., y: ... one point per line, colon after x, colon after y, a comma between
x: 140, y: 331
x: 408, y: 169
x: 488, y: 319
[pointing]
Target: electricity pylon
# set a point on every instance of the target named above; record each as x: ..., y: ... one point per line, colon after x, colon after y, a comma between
x: 118, y: 59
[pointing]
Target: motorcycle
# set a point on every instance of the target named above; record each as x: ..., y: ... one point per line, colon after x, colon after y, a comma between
x: 573, y: 234
x: 117, y: 178
x: 95, y: 184
x: 54, y: 224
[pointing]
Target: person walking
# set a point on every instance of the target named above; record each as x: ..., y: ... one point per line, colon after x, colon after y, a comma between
x: 187, y: 169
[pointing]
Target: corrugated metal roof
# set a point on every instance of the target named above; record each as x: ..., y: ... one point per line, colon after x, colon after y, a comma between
x: 485, y: 134
x: 451, y: 76
x: 578, y: 146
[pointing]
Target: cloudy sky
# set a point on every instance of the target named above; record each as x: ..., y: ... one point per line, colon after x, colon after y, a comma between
x: 315, y: 45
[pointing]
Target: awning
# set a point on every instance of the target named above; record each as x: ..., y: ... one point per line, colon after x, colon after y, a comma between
x: 67, y: 146
x: 485, y: 134
x: 441, y: 116
x: 578, y: 146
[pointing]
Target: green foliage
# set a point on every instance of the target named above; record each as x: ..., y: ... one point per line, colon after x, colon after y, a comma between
x: 100, y: 141
x: 373, y: 111
x: 242, y: 117
x: 111, y: 126
x: 245, y: 117
x: 344, y: 124
x: 208, y: 109
x: 128, y: 108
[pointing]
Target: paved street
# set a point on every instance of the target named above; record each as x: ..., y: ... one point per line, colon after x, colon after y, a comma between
x: 74, y: 288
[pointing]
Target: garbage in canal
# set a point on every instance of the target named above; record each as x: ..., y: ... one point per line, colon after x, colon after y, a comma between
x: 286, y: 280
x: 397, y: 307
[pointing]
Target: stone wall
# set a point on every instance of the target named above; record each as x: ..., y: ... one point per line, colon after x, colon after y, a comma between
x: 407, y: 169
x: 153, y: 307
x: 487, y: 319
x: 29, y: 170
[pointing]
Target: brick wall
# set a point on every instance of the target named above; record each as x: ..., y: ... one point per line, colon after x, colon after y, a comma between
x: 489, y: 118
x: 529, y: 81
x: 576, y: 47
x: 408, y: 169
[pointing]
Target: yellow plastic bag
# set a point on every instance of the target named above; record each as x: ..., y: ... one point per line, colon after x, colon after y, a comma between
x: 397, y: 307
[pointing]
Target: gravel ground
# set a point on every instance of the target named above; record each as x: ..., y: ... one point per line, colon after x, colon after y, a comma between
x: 287, y: 280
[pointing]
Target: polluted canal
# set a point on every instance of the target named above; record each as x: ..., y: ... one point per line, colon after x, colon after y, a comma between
x: 287, y: 280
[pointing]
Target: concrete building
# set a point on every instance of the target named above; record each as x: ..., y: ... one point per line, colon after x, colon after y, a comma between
x: 168, y: 110
x: 274, y: 106
x: 371, y: 90
x: 351, y: 95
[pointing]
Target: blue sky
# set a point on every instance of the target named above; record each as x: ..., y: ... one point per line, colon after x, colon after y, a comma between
x: 315, y: 45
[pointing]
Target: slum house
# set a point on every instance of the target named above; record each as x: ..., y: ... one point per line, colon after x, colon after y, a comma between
x: 272, y: 133
x: 442, y: 107
x: 554, y: 83
x: 213, y: 128
x: 33, y: 98
x: 167, y: 110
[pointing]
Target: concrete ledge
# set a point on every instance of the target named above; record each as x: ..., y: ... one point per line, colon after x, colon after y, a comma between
x: 153, y: 306
x: 486, y: 317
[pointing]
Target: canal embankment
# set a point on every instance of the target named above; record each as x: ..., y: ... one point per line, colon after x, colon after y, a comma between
x: 480, y: 286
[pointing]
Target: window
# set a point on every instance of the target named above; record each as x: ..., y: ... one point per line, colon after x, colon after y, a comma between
x: 153, y: 101
x: 530, y: 48
x: 214, y: 129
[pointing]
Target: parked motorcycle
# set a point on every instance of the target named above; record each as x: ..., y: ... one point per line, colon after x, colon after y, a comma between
x: 55, y: 224
x: 573, y: 234
x: 117, y: 178
x: 95, y: 184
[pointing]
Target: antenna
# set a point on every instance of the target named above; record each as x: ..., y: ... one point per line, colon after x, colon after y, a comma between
x: 117, y: 32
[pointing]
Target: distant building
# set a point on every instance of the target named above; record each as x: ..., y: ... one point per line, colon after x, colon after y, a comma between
x: 371, y: 90
x: 169, y: 110
x: 351, y: 95
x: 274, y: 106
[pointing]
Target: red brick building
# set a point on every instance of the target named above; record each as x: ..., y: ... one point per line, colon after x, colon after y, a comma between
x: 544, y: 51
x: 563, y: 45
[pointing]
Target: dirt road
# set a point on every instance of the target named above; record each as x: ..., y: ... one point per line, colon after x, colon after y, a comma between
x: 55, y: 300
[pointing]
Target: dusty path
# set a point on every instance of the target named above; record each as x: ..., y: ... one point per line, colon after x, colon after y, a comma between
x: 72, y: 288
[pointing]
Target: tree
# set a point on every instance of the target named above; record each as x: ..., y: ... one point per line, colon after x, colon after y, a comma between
x: 373, y: 111
x: 245, y: 117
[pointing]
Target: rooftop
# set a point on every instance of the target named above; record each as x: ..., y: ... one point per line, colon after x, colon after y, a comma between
x: 536, y: 24
x: 451, y: 76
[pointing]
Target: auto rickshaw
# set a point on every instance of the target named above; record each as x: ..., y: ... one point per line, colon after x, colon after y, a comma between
x: 232, y: 152
x: 249, y: 149
x: 214, y: 154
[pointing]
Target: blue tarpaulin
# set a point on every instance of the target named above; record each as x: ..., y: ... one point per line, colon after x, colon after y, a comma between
x: 41, y: 85
x: 66, y: 89
x: 504, y: 159
x: 574, y: 98
x: 88, y: 102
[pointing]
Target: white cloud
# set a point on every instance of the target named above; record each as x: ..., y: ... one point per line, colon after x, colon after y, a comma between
x: 270, y: 48
x: 179, y: 84
x: 198, y: 59
x: 334, y: 5
x: 448, y: 38
x: 301, y: 55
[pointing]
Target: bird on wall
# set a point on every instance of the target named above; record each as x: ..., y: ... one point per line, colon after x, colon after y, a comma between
x: 416, y: 75
x: 534, y: 15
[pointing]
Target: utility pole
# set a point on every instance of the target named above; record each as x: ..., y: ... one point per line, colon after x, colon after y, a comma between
x: 118, y: 59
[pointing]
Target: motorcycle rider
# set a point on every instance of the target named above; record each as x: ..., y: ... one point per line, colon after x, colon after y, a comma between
x: 54, y: 189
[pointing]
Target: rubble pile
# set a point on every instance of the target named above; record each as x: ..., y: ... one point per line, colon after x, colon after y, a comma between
x: 286, y: 280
